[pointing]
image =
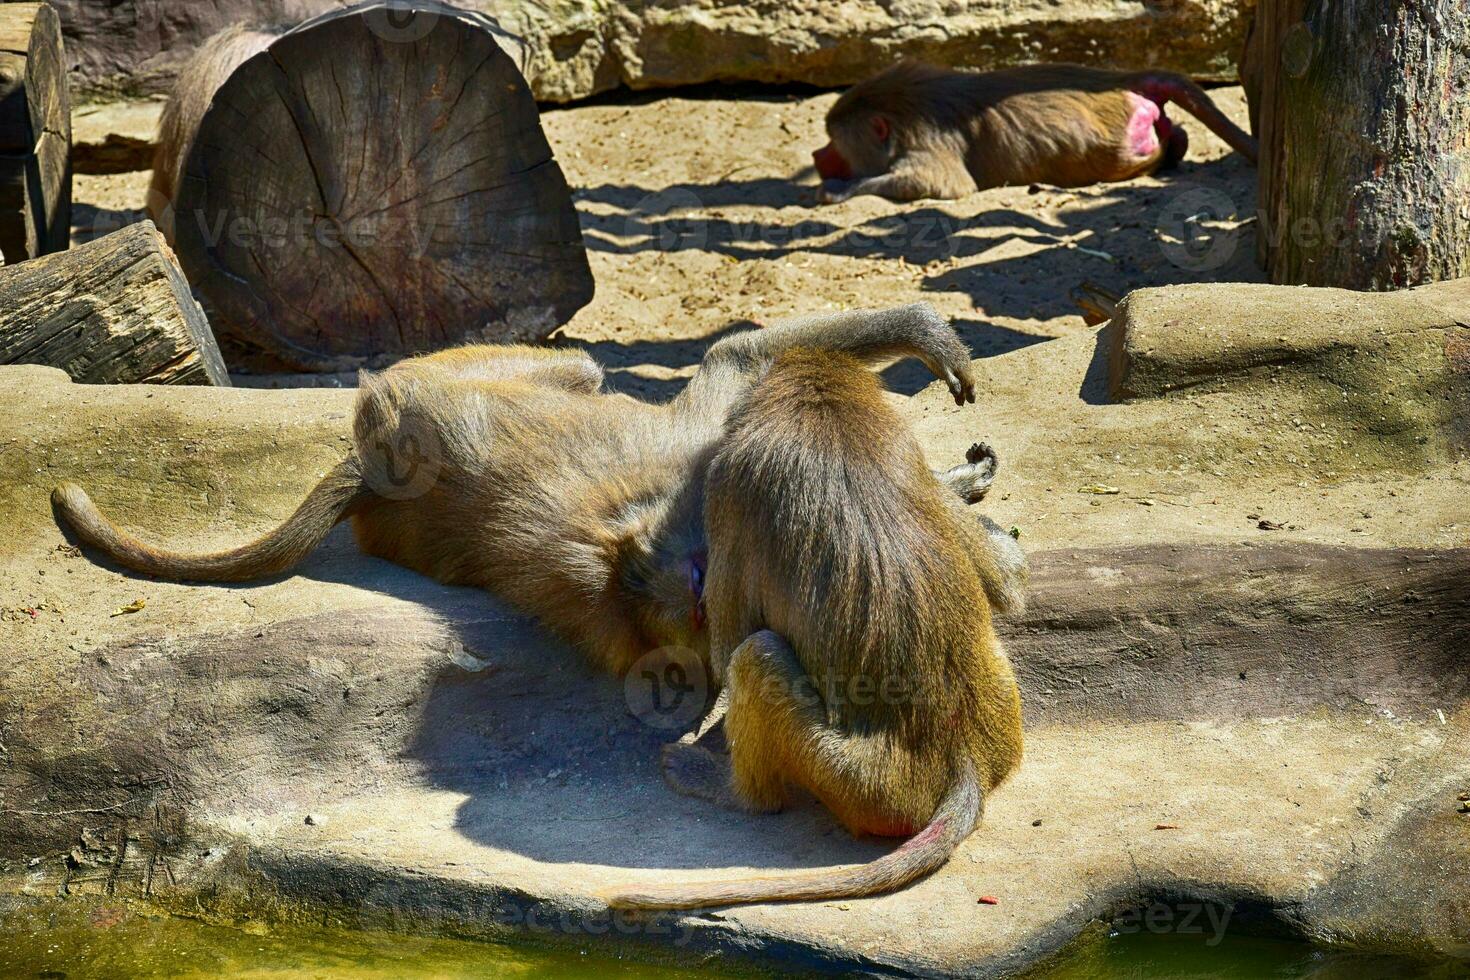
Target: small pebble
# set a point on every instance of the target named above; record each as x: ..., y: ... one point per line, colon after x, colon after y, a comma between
x: 312, y: 820
x: 1036, y: 823
x: 987, y: 900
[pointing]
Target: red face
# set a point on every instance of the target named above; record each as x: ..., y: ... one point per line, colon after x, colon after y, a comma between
x: 831, y: 164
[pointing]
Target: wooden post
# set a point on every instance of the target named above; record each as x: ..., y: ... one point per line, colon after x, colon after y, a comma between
x: 375, y: 185
x: 1363, y: 116
x: 35, y: 134
x: 113, y: 311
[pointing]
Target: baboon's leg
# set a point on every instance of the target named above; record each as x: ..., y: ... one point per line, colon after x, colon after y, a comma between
x: 997, y: 557
x: 873, y: 336
x: 779, y: 736
x: 760, y: 700
x: 573, y: 370
x: 972, y: 479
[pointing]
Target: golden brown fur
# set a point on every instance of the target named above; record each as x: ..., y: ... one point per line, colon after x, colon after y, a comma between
x: 850, y: 611
x: 508, y: 468
x: 917, y: 131
x: 201, y: 76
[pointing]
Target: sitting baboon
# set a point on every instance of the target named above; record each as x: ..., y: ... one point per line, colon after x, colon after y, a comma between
x: 850, y: 598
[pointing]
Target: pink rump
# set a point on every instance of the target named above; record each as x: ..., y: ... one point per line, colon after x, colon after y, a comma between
x: 1143, y: 137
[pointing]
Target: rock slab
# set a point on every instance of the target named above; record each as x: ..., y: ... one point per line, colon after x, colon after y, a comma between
x: 578, y: 48
x: 1274, y: 722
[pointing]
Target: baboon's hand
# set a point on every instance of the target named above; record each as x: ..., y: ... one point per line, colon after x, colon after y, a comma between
x: 834, y: 191
x: 945, y: 354
x: 961, y: 381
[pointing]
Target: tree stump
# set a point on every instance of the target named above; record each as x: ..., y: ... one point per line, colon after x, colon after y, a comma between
x: 377, y: 184
x: 113, y: 311
x: 35, y: 134
x: 1363, y: 117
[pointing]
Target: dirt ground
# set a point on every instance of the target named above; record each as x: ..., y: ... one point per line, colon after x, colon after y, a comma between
x: 699, y: 212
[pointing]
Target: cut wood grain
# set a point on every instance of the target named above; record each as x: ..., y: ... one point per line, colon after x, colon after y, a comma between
x: 113, y: 311
x: 366, y: 189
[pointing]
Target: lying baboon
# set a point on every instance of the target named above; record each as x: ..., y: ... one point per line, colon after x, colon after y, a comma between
x: 509, y: 469
x: 917, y: 131
x: 850, y: 598
x: 201, y: 76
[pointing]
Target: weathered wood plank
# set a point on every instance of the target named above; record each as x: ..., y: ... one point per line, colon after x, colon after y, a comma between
x: 35, y: 133
x: 113, y: 311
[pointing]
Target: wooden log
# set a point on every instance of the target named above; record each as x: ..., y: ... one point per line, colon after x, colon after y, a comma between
x: 113, y: 311
x: 1363, y: 118
x: 375, y: 185
x: 35, y: 134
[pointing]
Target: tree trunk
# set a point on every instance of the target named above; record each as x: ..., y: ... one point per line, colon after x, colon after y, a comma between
x: 113, y: 311
x: 1364, y: 125
x: 377, y: 184
x: 35, y: 134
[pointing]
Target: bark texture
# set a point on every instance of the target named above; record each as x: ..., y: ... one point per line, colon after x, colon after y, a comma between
x: 35, y: 133
x: 1363, y: 115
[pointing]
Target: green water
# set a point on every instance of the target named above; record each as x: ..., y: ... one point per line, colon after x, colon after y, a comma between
x: 1147, y: 956
x: 113, y: 944
x: 104, y: 943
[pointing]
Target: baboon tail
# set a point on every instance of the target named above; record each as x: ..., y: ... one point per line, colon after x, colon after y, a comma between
x: 1168, y: 87
x: 920, y: 855
x: 327, y: 504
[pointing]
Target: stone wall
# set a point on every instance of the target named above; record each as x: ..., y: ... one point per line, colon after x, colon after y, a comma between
x: 582, y: 47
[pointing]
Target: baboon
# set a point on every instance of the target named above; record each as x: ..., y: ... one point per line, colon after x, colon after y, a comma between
x: 850, y: 598
x: 917, y: 131
x: 508, y: 468
x: 202, y: 75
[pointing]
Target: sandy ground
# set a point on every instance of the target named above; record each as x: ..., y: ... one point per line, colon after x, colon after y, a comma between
x: 699, y: 213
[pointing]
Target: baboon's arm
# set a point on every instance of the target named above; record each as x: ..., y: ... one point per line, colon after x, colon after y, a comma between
x: 936, y: 176
x: 873, y: 336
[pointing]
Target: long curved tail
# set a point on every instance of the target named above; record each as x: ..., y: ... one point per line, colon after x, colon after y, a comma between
x: 327, y: 504
x: 1168, y: 87
x: 920, y: 855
